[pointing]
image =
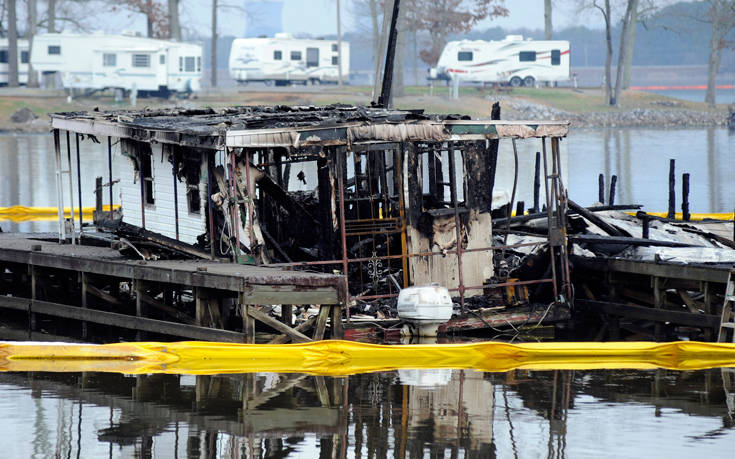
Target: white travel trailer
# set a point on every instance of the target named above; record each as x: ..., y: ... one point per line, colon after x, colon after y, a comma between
x: 284, y: 60
x: 22, y: 61
x: 514, y: 61
x: 121, y: 62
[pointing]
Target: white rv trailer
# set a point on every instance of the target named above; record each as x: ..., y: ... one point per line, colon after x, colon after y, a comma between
x: 514, y: 61
x: 22, y: 61
x: 99, y: 61
x: 284, y: 60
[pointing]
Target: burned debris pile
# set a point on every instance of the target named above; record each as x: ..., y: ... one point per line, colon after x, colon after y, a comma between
x: 386, y: 198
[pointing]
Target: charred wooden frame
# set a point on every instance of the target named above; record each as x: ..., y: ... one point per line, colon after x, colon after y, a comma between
x: 397, y: 191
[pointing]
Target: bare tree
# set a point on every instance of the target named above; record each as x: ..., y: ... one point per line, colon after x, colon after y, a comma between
x: 615, y: 97
x: 440, y: 18
x: 12, y: 45
x: 548, y: 28
x: 156, y: 19
x: 51, y: 16
x: 174, y: 26
x: 31, y: 28
x: 213, y: 70
x: 721, y: 14
x: 606, y: 12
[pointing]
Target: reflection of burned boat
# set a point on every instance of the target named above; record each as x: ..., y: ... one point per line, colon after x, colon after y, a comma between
x: 384, y: 198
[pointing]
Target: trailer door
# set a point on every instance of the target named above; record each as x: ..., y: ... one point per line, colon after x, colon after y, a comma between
x: 312, y: 57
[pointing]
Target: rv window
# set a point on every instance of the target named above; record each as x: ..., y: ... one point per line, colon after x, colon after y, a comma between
x: 527, y: 56
x: 3, y: 56
x: 24, y: 57
x: 181, y: 64
x: 295, y: 55
x: 555, y: 57
x: 146, y: 175
x: 199, y: 63
x: 277, y: 55
x: 335, y: 60
x: 54, y: 50
x: 141, y: 60
x: 464, y: 56
x: 162, y: 59
x: 189, y: 64
x: 334, y: 47
x: 109, y: 60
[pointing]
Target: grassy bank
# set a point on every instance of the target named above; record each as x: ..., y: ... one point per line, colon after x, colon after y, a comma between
x: 473, y: 101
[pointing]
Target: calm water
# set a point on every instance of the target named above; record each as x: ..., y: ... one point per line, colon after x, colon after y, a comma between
x: 639, y: 157
x: 396, y: 414
x: 428, y: 413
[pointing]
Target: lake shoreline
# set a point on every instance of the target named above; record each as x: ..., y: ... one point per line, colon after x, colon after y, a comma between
x: 581, y: 107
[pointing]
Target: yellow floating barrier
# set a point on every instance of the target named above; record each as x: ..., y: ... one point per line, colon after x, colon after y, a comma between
x: 340, y: 358
x: 18, y: 214
x: 697, y: 217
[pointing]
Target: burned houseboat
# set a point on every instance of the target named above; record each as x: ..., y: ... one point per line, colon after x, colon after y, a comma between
x: 375, y: 199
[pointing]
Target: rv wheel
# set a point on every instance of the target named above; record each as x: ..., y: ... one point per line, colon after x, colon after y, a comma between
x: 529, y: 81
x: 516, y: 81
x: 268, y: 82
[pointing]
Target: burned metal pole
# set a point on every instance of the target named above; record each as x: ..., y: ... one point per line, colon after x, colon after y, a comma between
x: 390, y: 54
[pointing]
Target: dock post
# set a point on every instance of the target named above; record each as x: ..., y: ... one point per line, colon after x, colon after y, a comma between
x: 34, y: 288
x: 98, y: 196
x: 248, y: 323
x: 336, y: 322
x: 139, y: 308
x: 658, y: 300
x: 601, y: 188
x: 613, y: 183
x: 536, y: 183
x: 685, y: 197
x: 59, y: 188
x: 109, y: 170
x: 672, y: 191
x: 83, y: 281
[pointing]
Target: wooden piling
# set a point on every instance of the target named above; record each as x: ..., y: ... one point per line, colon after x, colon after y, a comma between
x: 98, y: 195
x: 672, y: 190
x: 613, y: 183
x: 537, y: 182
x: 685, y: 196
x: 601, y: 188
x: 520, y: 208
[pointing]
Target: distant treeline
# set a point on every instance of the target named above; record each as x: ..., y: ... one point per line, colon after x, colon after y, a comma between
x: 670, y: 37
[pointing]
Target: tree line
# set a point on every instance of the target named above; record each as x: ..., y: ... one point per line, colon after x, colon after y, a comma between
x: 425, y: 26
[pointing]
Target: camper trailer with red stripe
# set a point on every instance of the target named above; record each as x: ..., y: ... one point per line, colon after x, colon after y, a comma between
x: 512, y: 61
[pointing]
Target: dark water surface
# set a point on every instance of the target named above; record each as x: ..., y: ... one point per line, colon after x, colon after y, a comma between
x: 403, y: 414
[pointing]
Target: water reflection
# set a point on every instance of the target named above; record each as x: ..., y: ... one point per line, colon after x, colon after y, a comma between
x: 404, y: 414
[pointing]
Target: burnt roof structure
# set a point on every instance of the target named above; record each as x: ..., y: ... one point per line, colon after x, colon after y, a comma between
x: 259, y: 126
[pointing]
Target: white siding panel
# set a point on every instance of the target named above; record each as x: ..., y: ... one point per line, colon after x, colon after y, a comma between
x: 160, y: 217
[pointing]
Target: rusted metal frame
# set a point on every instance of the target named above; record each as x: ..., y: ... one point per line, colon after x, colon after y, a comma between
x: 400, y: 189
x: 250, y: 202
x: 343, y: 232
x: 411, y: 255
x: 142, y: 187
x: 109, y: 169
x: 79, y: 184
x: 357, y: 173
x: 234, y: 205
x: 478, y: 287
x: 562, y: 210
x: 385, y: 214
x: 457, y: 230
x: 549, y: 217
x: 71, y: 191
x: 60, y: 195
x: 210, y: 207
x: 174, y: 169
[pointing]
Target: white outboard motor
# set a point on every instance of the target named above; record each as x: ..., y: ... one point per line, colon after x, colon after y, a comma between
x: 425, y: 307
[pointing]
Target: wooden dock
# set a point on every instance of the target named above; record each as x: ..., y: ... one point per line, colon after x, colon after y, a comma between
x: 663, y: 294
x: 197, y: 299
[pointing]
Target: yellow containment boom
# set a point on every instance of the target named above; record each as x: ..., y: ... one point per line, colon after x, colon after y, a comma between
x: 17, y: 214
x: 339, y: 358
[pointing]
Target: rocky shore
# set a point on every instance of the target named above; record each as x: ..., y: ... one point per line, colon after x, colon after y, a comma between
x: 664, y: 114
